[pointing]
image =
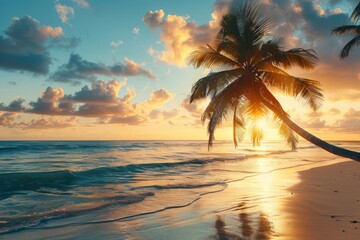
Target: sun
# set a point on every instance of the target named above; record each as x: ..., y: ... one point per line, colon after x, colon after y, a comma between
x: 261, y: 123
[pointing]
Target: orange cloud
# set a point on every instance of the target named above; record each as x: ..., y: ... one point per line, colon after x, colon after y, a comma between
x: 179, y: 35
x: 101, y: 100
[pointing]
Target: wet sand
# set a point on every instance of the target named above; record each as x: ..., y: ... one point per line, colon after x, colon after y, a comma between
x: 314, y: 202
x: 326, y: 203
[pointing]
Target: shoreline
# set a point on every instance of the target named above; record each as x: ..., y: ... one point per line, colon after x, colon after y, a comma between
x: 316, y: 201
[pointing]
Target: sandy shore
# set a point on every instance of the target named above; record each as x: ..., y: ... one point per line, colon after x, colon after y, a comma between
x: 314, y: 202
x: 326, y: 203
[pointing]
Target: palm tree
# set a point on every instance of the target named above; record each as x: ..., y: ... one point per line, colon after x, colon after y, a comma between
x: 249, y: 61
x: 350, y: 29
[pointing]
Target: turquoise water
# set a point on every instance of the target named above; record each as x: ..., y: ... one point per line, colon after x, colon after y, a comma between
x: 74, y: 189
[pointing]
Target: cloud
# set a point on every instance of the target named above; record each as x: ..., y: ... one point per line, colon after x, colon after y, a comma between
x: 99, y: 92
x: 165, y: 115
x: 64, y: 12
x: 7, y: 119
x: 131, y: 120
x: 195, y: 108
x: 350, y: 122
x: 159, y: 97
x: 50, y: 103
x: 47, y: 122
x: 116, y: 43
x: 25, y: 46
x: 136, y: 30
x: 100, y: 100
x: 179, y: 35
x: 78, y: 69
x: 14, y: 106
x: 154, y: 18
x: 82, y: 3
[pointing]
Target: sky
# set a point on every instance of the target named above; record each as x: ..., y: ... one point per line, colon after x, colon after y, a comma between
x: 108, y: 70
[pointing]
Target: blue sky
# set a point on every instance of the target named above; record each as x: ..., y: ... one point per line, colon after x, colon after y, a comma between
x: 130, y: 59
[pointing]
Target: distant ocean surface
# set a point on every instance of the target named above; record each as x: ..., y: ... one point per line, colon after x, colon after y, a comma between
x: 75, y: 189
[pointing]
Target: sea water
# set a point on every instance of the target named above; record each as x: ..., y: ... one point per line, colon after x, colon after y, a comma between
x: 78, y: 189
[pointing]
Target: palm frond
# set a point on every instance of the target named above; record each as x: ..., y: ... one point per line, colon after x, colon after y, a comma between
x: 347, y: 29
x: 355, y: 16
x: 230, y: 48
x: 238, y: 127
x: 286, y: 132
x: 229, y: 28
x: 213, y: 82
x: 296, y: 57
x: 308, y: 89
x: 206, y: 56
x: 221, y: 105
x: 346, y: 50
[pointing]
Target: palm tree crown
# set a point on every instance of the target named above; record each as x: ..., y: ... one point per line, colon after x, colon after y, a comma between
x: 352, y: 30
x: 249, y: 61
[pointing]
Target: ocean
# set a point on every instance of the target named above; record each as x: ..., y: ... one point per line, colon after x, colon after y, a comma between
x: 133, y: 189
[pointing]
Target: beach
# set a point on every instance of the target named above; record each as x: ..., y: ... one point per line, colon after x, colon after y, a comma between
x: 179, y: 190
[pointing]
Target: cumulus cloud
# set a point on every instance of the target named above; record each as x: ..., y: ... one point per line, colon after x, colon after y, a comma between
x: 154, y: 18
x: 159, y: 97
x: 179, y: 35
x: 99, y: 92
x: 25, y: 46
x: 64, y: 12
x: 50, y: 103
x: 14, y: 106
x: 100, y: 100
x: 78, y: 69
x: 7, y: 119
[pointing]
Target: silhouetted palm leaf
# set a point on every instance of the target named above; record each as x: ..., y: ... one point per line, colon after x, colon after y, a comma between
x: 347, y: 48
x: 349, y: 29
x: 212, y: 83
x: 206, y: 56
x: 356, y: 13
x: 294, y: 86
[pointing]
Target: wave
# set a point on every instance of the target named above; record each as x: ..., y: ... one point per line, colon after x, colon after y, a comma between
x: 64, y: 179
x: 182, y: 186
x: 14, y: 224
x: 14, y: 147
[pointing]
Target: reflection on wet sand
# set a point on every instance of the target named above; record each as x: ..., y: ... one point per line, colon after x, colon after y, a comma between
x: 249, y: 226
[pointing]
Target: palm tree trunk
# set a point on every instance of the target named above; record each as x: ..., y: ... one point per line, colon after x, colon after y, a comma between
x: 320, y: 143
x: 311, y: 138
